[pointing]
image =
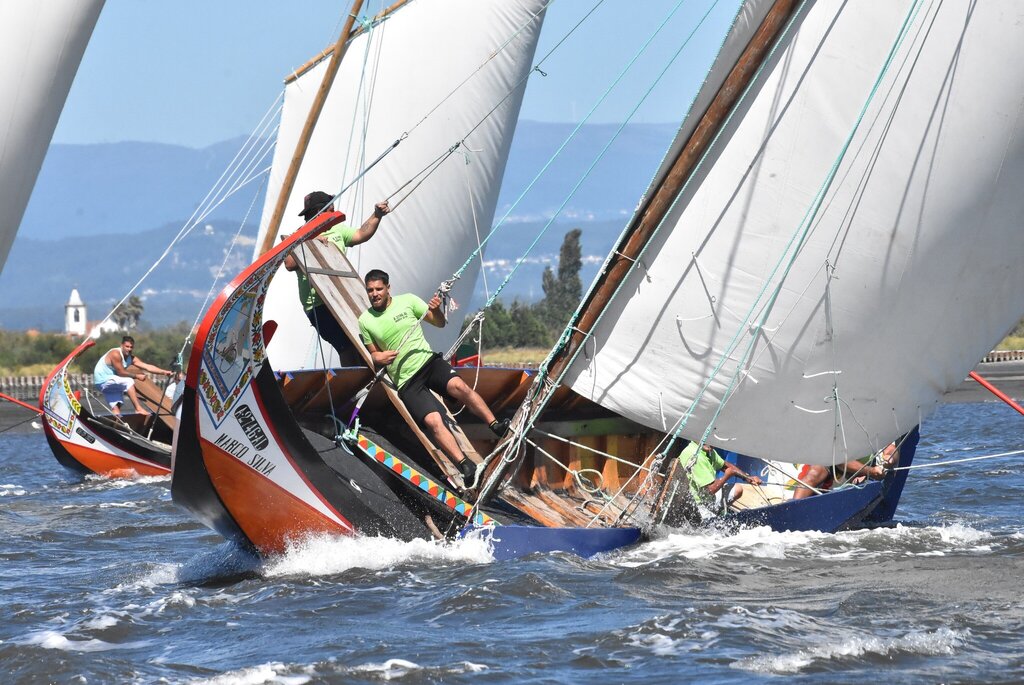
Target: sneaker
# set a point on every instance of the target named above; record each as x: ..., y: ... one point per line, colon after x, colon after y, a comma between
x: 501, y: 428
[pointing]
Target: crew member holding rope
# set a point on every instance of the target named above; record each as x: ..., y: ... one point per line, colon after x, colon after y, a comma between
x: 342, y: 237
x: 814, y: 478
x: 391, y: 331
x: 702, y: 463
x: 114, y: 379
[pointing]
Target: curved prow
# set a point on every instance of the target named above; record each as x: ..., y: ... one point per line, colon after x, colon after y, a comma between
x: 242, y: 463
x: 88, y: 443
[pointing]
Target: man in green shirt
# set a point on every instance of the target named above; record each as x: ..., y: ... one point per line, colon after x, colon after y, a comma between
x: 391, y: 331
x: 701, y: 471
x: 342, y: 237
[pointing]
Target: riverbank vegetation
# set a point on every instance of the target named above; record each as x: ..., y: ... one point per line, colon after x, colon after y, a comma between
x: 512, y: 333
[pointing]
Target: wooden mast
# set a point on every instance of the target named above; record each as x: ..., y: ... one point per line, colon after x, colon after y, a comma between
x: 639, y: 234
x: 307, y: 131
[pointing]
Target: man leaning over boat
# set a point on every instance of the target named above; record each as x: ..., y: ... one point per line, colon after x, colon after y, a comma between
x: 708, y: 490
x: 391, y: 331
x: 114, y: 380
x: 343, y: 237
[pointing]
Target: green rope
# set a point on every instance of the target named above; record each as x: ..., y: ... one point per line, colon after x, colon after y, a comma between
x: 798, y: 238
x: 545, y: 366
x: 607, y: 145
x: 572, y: 135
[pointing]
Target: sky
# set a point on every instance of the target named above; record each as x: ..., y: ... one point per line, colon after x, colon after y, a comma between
x: 197, y: 72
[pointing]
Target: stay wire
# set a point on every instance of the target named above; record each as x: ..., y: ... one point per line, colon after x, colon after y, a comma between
x: 207, y: 205
x: 629, y: 64
x: 607, y: 145
x: 223, y: 266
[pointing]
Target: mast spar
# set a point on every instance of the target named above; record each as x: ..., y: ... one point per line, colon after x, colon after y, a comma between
x: 307, y: 131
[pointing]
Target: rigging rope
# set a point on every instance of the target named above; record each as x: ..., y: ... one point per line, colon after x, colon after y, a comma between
x: 797, y: 240
x: 1001, y: 455
x: 220, y: 271
x: 805, y: 224
x: 629, y: 64
x: 208, y: 204
x: 514, y: 444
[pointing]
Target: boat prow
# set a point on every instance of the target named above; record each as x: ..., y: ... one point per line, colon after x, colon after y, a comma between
x: 86, y: 441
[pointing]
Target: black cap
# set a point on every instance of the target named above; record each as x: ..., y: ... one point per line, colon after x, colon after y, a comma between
x: 314, y: 203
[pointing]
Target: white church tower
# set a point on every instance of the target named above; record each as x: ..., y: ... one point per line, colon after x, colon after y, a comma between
x: 74, y: 315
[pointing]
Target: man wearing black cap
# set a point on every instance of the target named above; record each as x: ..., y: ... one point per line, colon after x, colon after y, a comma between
x: 343, y: 237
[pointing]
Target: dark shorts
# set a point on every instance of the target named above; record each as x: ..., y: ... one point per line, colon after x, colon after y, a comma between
x: 434, y: 375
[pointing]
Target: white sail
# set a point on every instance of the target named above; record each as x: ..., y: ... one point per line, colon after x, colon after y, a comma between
x: 911, y: 269
x: 41, y: 45
x: 388, y: 81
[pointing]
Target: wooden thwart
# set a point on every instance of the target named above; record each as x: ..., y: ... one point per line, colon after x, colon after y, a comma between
x: 153, y: 398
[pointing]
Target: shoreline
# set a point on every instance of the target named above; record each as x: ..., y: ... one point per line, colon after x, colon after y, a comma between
x: 1007, y: 376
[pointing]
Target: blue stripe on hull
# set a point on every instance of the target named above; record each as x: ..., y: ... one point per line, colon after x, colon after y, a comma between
x: 511, y: 541
x: 827, y: 512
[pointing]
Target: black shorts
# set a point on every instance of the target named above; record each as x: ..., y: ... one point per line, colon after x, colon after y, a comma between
x: 434, y: 375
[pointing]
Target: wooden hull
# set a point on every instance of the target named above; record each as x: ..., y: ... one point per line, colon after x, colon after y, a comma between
x: 259, y: 458
x: 88, y: 444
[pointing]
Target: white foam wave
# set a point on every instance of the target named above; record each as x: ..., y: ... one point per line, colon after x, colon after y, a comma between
x: 328, y: 555
x: 761, y: 542
x: 764, y: 543
x: 50, y: 639
x: 9, y: 489
x: 399, y: 668
x: 392, y: 668
x: 121, y: 482
x: 941, y: 641
x: 255, y: 675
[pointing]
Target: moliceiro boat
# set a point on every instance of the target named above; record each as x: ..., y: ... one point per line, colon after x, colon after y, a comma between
x: 784, y: 291
x: 262, y: 458
x: 85, y: 437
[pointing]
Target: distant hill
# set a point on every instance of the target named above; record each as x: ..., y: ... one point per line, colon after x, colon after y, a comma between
x: 107, y: 211
x: 40, y: 274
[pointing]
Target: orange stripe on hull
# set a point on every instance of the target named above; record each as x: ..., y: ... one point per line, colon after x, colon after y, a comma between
x: 111, y: 465
x: 268, y: 514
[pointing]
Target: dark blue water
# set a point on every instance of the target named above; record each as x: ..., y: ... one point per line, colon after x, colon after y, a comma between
x: 108, y: 582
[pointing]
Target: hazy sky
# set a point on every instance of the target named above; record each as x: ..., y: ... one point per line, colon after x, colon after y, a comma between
x: 195, y: 72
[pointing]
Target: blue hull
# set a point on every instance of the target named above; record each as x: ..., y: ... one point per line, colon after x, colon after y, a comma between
x: 873, y: 503
x: 512, y: 541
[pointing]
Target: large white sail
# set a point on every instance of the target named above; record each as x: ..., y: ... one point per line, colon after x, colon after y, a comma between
x: 911, y: 269
x: 390, y: 78
x: 41, y: 45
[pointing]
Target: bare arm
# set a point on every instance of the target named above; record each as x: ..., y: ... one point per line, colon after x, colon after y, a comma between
x: 149, y: 367
x: 381, y: 358
x: 434, y: 316
x: 728, y: 472
x: 369, y: 226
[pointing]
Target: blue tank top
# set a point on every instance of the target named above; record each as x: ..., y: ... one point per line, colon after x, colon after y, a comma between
x: 104, y: 371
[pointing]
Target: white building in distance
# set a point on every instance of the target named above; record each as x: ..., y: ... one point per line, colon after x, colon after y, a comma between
x: 76, y: 320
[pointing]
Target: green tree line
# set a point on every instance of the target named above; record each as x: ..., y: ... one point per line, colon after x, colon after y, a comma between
x: 37, y: 353
x: 538, y: 324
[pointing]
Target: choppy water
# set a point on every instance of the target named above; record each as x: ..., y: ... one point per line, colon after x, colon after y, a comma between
x: 107, y: 581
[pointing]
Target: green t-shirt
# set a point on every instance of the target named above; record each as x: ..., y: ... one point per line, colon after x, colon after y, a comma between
x: 387, y: 328
x: 339, y: 234
x: 703, y: 473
